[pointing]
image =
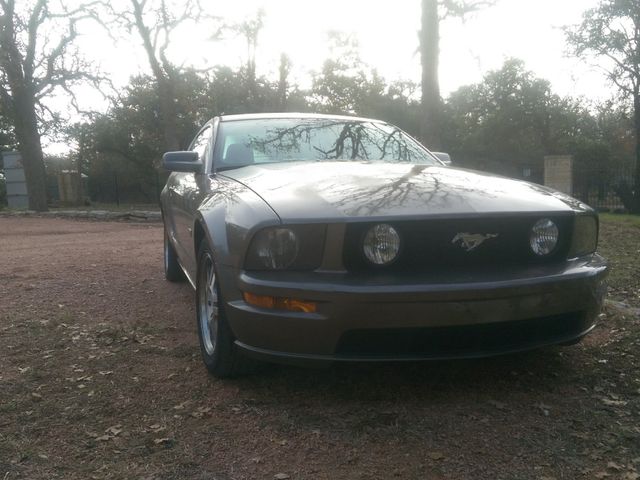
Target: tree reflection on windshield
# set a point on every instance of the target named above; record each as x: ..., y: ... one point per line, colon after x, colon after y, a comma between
x: 282, y: 140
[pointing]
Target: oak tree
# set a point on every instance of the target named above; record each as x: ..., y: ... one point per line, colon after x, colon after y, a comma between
x: 154, y: 23
x: 433, y: 12
x: 610, y: 35
x: 38, y: 58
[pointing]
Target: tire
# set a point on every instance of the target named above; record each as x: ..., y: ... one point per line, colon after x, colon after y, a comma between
x: 571, y: 343
x: 172, y: 270
x: 219, y: 352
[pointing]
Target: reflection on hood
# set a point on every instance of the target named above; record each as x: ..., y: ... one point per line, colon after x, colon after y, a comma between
x: 336, y: 190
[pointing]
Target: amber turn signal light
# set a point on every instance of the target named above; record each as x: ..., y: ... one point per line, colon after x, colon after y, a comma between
x: 279, y: 303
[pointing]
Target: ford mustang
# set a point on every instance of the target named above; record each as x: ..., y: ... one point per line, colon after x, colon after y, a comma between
x: 315, y: 239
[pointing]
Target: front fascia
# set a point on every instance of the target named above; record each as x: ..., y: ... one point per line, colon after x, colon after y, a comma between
x: 347, y: 302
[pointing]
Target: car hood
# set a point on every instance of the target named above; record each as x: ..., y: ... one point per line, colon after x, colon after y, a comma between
x: 300, y: 191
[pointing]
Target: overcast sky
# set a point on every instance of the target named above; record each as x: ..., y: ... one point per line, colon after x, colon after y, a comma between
x: 387, y: 33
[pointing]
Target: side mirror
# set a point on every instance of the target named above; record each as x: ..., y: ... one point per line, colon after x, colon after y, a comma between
x: 182, y: 162
x: 443, y: 157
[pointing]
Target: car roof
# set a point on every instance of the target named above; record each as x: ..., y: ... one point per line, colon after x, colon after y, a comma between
x: 266, y: 116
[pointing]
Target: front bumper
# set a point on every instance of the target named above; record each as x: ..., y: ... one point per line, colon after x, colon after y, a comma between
x: 429, y: 316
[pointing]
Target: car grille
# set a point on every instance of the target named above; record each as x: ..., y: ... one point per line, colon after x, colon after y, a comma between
x: 462, y: 340
x: 427, y: 245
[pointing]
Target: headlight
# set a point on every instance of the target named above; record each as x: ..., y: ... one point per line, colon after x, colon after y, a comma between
x: 585, y: 236
x: 381, y: 244
x: 544, y: 237
x: 276, y: 248
x: 295, y: 247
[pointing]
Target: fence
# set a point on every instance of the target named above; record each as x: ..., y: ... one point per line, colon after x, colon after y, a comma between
x: 604, y: 189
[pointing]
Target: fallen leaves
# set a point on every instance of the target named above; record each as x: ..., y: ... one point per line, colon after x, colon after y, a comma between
x: 497, y: 404
x: 436, y: 456
x: 613, y: 403
x: 201, y: 412
x: 109, y: 434
x: 543, y: 408
x: 181, y: 406
x: 166, y: 442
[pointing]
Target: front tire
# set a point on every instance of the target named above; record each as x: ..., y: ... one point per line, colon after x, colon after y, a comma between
x: 172, y: 270
x: 219, y: 353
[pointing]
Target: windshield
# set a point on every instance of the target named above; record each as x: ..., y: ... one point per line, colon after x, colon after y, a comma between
x: 246, y: 142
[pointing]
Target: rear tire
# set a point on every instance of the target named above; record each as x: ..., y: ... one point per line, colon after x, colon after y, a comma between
x: 172, y: 270
x: 219, y: 352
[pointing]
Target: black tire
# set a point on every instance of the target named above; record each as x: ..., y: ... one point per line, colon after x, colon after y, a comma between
x: 219, y: 352
x: 571, y: 343
x: 172, y: 270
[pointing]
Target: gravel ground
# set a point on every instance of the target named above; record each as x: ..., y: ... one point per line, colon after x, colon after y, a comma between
x: 100, y: 377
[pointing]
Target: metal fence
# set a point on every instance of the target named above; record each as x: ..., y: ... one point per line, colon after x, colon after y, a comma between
x: 604, y: 189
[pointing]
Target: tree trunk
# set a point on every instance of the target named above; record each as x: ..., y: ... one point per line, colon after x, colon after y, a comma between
x: 28, y: 137
x: 429, y: 58
x: 636, y: 115
x: 168, y: 114
x: 282, y: 82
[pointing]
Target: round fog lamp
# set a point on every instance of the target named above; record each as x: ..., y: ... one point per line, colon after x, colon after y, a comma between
x: 381, y: 244
x: 544, y: 237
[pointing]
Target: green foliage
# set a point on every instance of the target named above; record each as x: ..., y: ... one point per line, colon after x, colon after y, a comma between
x: 502, y: 122
x: 7, y: 138
x: 506, y: 123
x: 345, y: 84
x: 610, y: 32
x: 123, y: 148
x: 512, y: 119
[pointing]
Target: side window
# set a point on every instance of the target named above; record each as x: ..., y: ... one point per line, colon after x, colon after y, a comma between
x: 201, y: 142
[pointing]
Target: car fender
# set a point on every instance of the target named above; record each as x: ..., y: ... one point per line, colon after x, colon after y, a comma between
x: 228, y: 218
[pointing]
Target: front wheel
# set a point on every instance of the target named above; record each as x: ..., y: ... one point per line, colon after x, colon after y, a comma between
x: 219, y: 353
x: 172, y: 270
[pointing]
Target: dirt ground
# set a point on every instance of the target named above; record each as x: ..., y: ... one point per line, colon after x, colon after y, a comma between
x: 100, y: 377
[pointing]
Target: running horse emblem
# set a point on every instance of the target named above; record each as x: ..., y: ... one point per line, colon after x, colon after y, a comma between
x: 470, y: 241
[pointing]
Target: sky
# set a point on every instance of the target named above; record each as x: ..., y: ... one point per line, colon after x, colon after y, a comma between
x: 387, y: 33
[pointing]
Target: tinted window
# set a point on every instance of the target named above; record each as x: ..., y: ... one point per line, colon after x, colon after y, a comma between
x: 245, y: 142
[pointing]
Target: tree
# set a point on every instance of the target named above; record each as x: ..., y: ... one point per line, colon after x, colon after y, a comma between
x: 501, y: 122
x: 37, y: 58
x: 345, y: 84
x: 433, y: 11
x: 283, y: 81
x: 126, y: 142
x: 154, y: 23
x: 7, y: 139
x: 610, y: 34
x: 250, y: 29
x: 511, y: 119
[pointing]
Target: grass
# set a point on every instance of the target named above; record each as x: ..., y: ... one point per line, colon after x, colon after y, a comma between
x: 620, y: 218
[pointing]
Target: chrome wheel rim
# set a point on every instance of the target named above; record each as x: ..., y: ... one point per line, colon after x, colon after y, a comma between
x: 208, y: 305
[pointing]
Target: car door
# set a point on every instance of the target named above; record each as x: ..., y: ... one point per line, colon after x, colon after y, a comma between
x: 185, y: 192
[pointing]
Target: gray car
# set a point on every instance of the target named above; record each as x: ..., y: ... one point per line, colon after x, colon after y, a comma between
x: 314, y: 239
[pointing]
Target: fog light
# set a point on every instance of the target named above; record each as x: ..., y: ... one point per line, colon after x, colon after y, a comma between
x: 544, y: 237
x: 381, y: 244
x: 279, y: 303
